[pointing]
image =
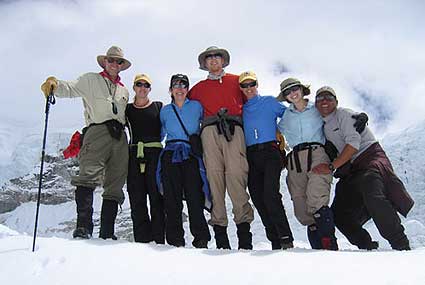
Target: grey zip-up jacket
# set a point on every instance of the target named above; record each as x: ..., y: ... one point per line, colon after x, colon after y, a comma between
x: 339, y: 129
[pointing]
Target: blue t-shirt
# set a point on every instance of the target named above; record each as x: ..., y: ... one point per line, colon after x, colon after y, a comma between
x: 302, y: 127
x: 191, y: 115
x: 259, y: 119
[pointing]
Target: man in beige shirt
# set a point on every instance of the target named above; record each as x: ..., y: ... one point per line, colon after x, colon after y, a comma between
x: 103, y: 156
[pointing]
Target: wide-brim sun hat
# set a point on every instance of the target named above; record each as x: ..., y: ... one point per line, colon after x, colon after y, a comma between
x: 114, y: 52
x: 213, y: 50
x: 288, y: 83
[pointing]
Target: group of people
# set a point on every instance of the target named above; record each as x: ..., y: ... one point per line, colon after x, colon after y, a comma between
x: 221, y: 136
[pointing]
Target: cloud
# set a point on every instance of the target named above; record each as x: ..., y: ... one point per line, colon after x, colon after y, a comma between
x: 374, y: 47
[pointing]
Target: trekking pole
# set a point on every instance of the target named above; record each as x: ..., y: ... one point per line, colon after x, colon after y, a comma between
x: 49, y: 100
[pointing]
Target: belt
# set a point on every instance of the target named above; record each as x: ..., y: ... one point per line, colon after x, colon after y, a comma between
x: 293, y: 155
x: 304, y: 146
x: 262, y: 146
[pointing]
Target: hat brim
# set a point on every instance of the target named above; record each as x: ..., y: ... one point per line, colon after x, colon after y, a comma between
x: 202, y: 56
x: 101, y: 61
x: 247, y: 78
x: 306, y: 91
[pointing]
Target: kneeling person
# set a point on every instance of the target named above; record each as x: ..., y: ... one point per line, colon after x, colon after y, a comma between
x: 368, y: 187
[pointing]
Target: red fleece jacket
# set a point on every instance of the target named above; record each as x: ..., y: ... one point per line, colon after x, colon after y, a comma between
x: 214, y: 95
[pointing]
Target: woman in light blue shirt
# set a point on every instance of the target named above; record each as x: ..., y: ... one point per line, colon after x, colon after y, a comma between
x: 302, y: 126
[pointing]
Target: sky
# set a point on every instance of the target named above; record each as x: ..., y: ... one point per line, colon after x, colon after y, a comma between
x: 371, y: 52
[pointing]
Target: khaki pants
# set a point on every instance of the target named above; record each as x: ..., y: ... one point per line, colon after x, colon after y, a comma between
x: 309, y: 192
x: 227, y: 168
x: 103, y: 160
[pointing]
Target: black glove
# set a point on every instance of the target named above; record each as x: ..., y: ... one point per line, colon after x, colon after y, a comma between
x: 331, y: 150
x: 361, y: 122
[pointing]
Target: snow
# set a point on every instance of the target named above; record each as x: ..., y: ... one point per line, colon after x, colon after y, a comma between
x: 59, y: 259
x: 66, y: 261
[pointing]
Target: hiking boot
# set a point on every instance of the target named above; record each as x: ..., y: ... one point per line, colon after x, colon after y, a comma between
x: 81, y: 233
x: 221, y: 238
x: 84, y: 202
x: 326, y: 228
x: 402, y: 244
x: 370, y: 246
x: 244, y: 236
x: 276, y: 245
x: 200, y: 243
x: 107, y: 219
x: 286, y: 243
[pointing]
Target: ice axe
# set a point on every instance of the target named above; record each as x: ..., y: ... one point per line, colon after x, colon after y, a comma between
x: 49, y: 100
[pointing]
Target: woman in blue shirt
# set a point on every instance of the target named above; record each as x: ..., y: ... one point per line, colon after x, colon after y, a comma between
x: 265, y: 160
x: 182, y: 175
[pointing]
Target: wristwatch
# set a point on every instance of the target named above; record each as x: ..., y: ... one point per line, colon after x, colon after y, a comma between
x: 331, y: 167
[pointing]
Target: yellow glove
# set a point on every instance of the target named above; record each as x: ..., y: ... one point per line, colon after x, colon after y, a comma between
x: 51, y: 84
x: 281, y: 141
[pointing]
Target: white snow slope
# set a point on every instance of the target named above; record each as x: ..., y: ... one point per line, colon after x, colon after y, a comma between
x: 59, y: 259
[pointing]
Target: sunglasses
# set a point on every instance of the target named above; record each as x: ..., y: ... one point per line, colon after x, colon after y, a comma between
x: 323, y: 96
x: 249, y: 84
x: 142, y: 84
x: 292, y: 89
x: 179, y: 85
x: 119, y: 61
x: 213, y: 55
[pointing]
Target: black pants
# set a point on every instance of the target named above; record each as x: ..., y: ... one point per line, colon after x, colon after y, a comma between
x: 265, y: 166
x: 360, y: 197
x: 139, y: 185
x: 183, y: 181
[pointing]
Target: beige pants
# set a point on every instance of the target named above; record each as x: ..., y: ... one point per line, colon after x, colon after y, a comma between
x: 103, y: 160
x: 309, y: 192
x: 227, y: 168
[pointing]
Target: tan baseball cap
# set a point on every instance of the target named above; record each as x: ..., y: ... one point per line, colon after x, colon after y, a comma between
x: 247, y: 75
x: 142, y: 76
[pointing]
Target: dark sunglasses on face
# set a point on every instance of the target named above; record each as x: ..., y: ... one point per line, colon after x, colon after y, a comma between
x: 179, y: 85
x: 247, y: 85
x: 323, y: 96
x: 143, y: 84
x: 292, y: 89
x: 213, y: 55
x: 119, y: 61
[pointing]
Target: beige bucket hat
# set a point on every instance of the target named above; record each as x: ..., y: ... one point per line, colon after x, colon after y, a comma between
x: 212, y: 50
x: 288, y: 83
x: 115, y: 52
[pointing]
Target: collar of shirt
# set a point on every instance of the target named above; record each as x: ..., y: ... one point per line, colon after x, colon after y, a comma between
x: 116, y: 81
x: 186, y: 100
x: 330, y: 116
x: 307, y: 107
x: 253, y: 100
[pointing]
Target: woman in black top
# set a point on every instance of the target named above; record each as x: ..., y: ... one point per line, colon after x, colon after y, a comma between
x: 145, y: 146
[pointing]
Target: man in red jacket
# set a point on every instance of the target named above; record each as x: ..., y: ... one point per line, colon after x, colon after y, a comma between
x: 224, y: 146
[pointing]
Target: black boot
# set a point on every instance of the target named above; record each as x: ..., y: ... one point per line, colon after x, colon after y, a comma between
x: 369, y: 246
x: 221, y: 238
x: 200, y: 243
x: 326, y: 228
x: 244, y: 236
x: 84, y: 201
x: 107, y: 219
x: 313, y: 237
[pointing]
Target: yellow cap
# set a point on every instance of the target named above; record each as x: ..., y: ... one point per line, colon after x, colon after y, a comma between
x: 247, y: 75
x: 140, y: 77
